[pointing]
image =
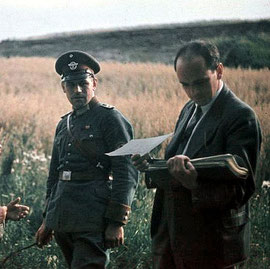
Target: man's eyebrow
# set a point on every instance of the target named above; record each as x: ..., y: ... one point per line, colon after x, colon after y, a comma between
x: 182, y: 82
x: 195, y: 81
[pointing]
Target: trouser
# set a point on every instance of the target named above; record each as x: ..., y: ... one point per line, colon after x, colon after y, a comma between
x: 83, y: 250
x: 166, y: 260
x: 167, y: 257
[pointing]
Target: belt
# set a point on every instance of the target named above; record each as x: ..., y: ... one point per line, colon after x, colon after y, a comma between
x: 69, y: 175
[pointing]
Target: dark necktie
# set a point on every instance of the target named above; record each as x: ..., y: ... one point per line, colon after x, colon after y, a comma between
x: 188, y: 131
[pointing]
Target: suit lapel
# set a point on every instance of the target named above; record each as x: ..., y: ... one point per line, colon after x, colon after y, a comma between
x: 172, y: 147
x: 207, y: 126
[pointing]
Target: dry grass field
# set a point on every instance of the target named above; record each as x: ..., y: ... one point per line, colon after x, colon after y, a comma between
x: 149, y: 95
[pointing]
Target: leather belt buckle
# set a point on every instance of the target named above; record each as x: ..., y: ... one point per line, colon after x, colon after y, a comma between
x: 66, y: 175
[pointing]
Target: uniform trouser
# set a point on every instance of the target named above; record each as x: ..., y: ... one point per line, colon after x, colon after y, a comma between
x: 83, y: 250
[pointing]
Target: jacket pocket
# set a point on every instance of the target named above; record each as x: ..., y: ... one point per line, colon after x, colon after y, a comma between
x: 237, y: 219
x: 235, y: 238
x: 92, y: 143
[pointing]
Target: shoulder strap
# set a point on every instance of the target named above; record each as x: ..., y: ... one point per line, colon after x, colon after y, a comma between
x: 68, y: 126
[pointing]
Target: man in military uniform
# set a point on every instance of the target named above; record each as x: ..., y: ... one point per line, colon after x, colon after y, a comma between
x: 88, y: 193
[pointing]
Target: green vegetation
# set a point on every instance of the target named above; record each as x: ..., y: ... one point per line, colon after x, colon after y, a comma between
x: 248, y: 51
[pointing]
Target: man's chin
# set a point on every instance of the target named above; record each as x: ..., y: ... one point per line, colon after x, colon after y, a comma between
x: 78, y: 105
x: 202, y: 101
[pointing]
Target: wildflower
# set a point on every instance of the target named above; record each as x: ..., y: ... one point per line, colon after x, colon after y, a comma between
x: 266, y: 184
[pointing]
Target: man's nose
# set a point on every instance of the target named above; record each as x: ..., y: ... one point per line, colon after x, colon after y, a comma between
x: 77, y: 89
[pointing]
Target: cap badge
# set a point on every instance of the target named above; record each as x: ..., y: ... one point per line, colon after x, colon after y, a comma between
x: 73, y: 65
x: 70, y: 55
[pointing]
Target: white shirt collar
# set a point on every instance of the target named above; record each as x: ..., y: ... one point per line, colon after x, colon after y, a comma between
x: 206, y: 107
x: 204, y: 110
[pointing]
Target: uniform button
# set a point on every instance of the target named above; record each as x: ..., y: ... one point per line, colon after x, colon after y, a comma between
x: 69, y: 144
x: 67, y: 162
x: 68, y: 153
x: 91, y: 136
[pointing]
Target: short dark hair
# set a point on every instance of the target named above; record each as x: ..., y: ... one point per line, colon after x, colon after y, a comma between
x: 206, y: 49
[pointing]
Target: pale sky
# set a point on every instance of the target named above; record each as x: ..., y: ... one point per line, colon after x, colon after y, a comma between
x: 28, y: 18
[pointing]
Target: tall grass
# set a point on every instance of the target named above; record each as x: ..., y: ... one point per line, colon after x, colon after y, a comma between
x: 150, y: 96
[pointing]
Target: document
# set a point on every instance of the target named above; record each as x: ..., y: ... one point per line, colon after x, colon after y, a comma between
x: 139, y: 146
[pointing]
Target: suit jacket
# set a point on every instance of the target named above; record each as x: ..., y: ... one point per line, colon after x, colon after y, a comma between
x: 212, y: 222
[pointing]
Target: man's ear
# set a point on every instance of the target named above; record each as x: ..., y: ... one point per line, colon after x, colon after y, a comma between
x: 220, y: 69
x: 95, y: 81
x: 63, y: 86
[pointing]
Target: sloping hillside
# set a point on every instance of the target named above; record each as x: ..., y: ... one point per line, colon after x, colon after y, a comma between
x: 243, y: 43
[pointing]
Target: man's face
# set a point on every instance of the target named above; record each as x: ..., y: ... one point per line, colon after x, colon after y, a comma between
x: 199, y: 82
x: 79, y: 92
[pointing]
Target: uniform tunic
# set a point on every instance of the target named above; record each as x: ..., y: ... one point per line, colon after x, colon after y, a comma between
x: 87, y: 205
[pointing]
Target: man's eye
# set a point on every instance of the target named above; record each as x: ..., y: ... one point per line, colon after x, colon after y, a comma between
x: 196, y: 83
x: 184, y: 84
x: 199, y: 83
x: 84, y: 84
x: 70, y: 84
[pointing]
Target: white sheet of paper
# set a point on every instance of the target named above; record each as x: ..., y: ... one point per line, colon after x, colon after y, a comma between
x: 139, y: 146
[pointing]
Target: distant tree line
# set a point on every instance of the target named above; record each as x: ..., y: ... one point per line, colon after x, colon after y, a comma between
x: 247, y: 51
x: 241, y: 43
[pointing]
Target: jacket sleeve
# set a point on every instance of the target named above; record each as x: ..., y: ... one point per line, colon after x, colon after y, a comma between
x: 242, y: 139
x: 117, y: 132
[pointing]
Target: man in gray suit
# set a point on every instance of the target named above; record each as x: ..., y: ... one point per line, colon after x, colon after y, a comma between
x: 88, y: 193
x: 203, y: 221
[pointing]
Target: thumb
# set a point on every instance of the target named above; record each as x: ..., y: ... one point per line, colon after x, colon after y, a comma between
x: 14, y: 202
x: 146, y: 156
